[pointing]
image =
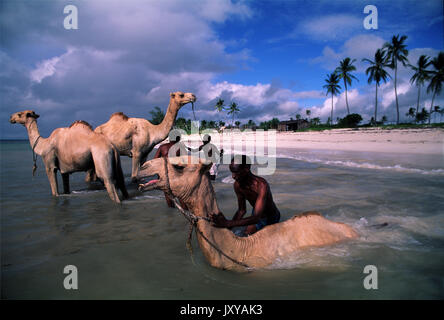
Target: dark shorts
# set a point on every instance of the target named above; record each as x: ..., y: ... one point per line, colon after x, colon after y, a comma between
x: 267, y: 221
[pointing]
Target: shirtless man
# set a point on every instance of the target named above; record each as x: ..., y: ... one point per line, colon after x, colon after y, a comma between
x: 257, y: 191
x: 163, y: 151
x: 207, y: 149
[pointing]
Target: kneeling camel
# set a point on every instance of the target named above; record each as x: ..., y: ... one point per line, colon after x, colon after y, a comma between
x: 188, y: 181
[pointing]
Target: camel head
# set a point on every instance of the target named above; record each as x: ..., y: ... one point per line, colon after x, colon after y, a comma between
x: 180, y: 99
x: 22, y: 116
x: 184, y: 175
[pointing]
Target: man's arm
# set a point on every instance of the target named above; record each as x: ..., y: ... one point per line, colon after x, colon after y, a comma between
x: 241, y: 203
x: 259, y: 207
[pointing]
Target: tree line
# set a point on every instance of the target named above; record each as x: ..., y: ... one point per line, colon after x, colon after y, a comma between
x: 389, y: 57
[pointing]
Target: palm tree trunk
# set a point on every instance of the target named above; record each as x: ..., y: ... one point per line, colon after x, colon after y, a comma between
x: 346, y: 99
x: 396, y: 93
x: 376, y: 104
x: 431, y: 106
x: 417, y: 104
x: 332, y: 108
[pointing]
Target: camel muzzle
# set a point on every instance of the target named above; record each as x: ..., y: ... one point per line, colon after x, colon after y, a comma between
x: 149, y: 178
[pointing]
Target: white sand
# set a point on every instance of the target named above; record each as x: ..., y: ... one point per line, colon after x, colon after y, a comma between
x: 413, y: 141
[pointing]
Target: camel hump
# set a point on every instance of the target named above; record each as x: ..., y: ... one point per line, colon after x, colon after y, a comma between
x: 81, y: 123
x: 120, y: 115
x: 307, y: 213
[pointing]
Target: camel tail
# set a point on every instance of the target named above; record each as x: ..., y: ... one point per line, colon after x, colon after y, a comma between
x: 120, y: 180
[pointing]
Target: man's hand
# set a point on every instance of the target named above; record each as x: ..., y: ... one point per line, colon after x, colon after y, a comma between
x: 218, y: 220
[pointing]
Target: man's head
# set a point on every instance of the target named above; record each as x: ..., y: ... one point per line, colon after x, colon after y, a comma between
x: 240, y: 167
x: 206, y: 139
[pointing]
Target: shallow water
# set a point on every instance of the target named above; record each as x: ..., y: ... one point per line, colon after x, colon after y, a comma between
x: 137, y: 250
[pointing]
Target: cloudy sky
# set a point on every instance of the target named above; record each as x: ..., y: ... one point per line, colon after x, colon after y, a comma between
x: 271, y: 57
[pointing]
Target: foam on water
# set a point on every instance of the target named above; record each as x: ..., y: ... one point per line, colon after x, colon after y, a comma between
x: 398, y: 234
x: 363, y: 165
x: 228, y: 180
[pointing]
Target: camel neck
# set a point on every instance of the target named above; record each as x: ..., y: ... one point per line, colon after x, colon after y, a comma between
x: 217, y: 243
x: 33, y: 135
x: 205, y: 200
x: 163, y: 128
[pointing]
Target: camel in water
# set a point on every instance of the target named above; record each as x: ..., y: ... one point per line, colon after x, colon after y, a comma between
x: 136, y: 137
x: 186, y: 179
x: 77, y: 148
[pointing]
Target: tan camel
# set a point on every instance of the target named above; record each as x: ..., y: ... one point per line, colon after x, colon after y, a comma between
x: 77, y: 148
x: 136, y: 137
x: 190, y: 184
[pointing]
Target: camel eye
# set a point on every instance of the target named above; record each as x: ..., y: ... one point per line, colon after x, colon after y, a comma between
x: 182, y: 95
x: 178, y: 168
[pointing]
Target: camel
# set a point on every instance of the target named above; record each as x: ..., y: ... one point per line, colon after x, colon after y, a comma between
x: 187, y: 181
x: 77, y: 148
x: 136, y: 137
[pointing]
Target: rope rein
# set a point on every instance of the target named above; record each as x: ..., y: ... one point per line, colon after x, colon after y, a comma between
x: 34, y: 156
x: 193, y: 219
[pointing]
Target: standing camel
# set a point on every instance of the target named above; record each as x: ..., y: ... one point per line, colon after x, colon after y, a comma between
x: 136, y: 137
x: 77, y: 148
x: 187, y: 180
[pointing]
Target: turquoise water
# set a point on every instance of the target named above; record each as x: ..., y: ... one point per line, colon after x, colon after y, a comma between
x: 137, y: 250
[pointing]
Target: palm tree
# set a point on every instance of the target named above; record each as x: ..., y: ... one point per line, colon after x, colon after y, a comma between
x: 421, y: 74
x: 251, y: 124
x: 220, y: 105
x: 411, y: 113
x: 308, y: 112
x: 332, y: 87
x: 344, y: 72
x: 233, y: 109
x: 377, y: 73
x: 396, y: 51
x: 437, y: 77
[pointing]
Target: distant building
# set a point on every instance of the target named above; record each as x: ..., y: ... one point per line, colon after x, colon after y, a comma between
x: 293, y: 125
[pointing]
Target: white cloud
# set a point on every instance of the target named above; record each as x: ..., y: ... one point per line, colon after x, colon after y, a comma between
x: 357, y: 47
x: 45, y: 68
x: 329, y: 27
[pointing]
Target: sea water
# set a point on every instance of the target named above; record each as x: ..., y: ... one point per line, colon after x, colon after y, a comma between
x: 137, y: 250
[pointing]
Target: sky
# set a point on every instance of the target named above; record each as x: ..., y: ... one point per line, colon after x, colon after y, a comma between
x: 270, y: 57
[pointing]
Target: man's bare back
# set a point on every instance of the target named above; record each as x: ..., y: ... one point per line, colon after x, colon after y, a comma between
x: 255, y: 190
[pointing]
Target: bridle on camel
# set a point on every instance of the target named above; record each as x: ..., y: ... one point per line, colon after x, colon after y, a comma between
x: 193, y: 219
x: 34, y: 156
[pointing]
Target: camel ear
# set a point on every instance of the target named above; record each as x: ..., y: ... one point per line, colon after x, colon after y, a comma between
x: 206, y: 167
x: 32, y: 114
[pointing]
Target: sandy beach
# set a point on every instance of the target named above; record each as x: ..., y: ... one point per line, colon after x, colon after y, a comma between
x: 411, y: 141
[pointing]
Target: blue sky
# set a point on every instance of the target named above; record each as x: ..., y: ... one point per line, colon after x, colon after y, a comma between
x: 271, y: 57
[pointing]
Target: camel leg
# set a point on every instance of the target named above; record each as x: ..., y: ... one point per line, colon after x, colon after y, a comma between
x: 65, y: 177
x: 135, y: 166
x: 90, y: 176
x: 120, y: 179
x: 52, y: 176
x: 112, y: 192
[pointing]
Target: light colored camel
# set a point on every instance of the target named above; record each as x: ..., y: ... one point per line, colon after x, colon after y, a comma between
x: 136, y: 137
x: 77, y: 148
x: 190, y: 184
